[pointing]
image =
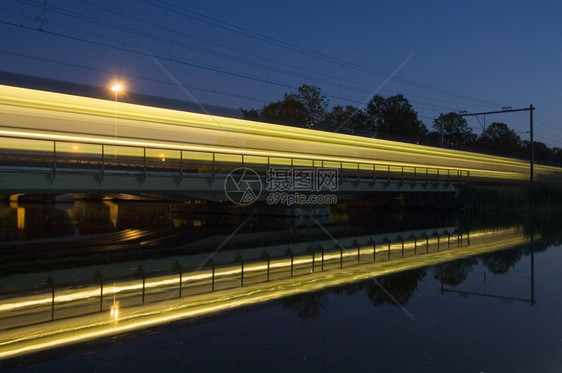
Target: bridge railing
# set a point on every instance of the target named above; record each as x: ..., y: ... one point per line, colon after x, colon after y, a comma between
x: 55, y: 155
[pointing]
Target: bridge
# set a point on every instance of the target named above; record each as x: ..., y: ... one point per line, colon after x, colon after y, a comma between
x: 53, y: 143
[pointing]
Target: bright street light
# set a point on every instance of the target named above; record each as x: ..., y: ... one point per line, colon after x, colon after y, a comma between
x: 117, y: 87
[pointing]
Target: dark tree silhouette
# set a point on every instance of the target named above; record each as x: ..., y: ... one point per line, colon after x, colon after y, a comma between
x: 454, y: 273
x: 395, y: 119
x: 314, y: 103
x: 290, y: 111
x: 307, y: 305
x: 500, y: 262
x: 307, y: 108
x: 400, y: 285
x: 543, y: 154
x: 456, y: 132
x: 499, y: 139
x: 349, y: 120
x: 250, y: 114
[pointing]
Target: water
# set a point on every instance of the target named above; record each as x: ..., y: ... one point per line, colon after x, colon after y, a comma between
x: 498, y: 312
x: 357, y: 328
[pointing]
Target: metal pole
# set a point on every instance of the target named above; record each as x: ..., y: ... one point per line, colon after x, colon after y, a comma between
x: 213, y: 276
x: 532, y: 267
x: 51, y: 283
x: 143, y: 286
x: 388, y: 248
x: 144, y: 166
x: 181, y: 165
x: 181, y: 279
x: 531, y: 108
x: 241, y: 272
x: 102, y: 161
x: 53, y: 302
x: 292, y: 263
x: 268, y: 265
x: 54, y: 159
x: 442, y: 138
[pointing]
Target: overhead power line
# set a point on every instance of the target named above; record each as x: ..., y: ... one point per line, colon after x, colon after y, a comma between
x: 249, y: 59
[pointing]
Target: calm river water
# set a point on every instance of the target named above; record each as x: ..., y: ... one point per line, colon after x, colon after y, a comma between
x: 494, y: 312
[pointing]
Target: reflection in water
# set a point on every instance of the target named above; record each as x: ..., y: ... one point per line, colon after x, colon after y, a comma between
x: 91, y: 216
x: 397, y: 278
x: 501, y: 262
x: 396, y: 289
x: 393, y: 289
x: 454, y: 273
x: 307, y: 305
x: 450, y: 333
x: 26, y: 222
x: 309, y: 295
x: 37, y: 235
x: 401, y: 285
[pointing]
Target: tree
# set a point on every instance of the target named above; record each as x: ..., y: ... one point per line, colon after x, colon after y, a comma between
x: 557, y: 156
x: 314, y: 103
x: 394, y: 118
x: 499, y: 139
x: 250, y: 114
x: 307, y: 108
x: 348, y: 120
x: 289, y: 111
x: 543, y: 154
x: 456, y: 132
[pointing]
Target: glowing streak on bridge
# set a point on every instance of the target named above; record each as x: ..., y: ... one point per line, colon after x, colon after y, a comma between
x: 48, y: 115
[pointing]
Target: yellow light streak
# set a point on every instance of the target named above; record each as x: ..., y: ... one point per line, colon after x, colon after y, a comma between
x: 221, y: 272
x: 267, y: 157
x: 68, y: 331
x: 33, y: 111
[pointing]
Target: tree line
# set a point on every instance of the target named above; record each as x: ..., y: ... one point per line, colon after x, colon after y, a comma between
x: 394, y: 118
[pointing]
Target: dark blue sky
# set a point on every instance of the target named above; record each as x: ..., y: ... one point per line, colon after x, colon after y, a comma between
x: 442, y: 55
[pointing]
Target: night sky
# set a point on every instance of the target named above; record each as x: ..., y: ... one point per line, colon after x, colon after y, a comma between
x: 442, y: 56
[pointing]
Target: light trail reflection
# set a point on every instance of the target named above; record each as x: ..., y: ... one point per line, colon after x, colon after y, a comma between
x: 22, y: 340
x: 207, y: 274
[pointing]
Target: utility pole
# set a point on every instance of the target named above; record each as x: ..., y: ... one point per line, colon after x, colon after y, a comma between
x: 508, y: 109
x: 442, y: 139
x: 531, y: 108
